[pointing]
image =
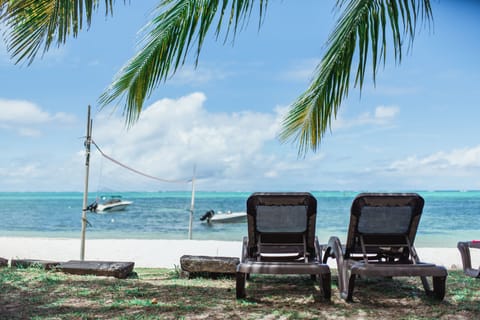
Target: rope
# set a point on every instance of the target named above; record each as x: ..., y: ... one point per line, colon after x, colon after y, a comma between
x: 136, y: 171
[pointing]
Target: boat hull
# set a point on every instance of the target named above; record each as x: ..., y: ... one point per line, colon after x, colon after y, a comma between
x: 233, y: 217
x: 113, y: 207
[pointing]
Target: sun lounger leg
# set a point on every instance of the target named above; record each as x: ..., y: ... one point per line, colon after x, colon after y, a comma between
x: 439, y: 287
x: 326, y: 282
x: 240, y: 286
x: 465, y: 253
x: 348, y: 296
x: 426, y: 286
x: 438, y: 291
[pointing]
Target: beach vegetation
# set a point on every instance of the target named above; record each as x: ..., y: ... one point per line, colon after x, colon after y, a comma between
x: 365, y: 33
x: 160, y: 294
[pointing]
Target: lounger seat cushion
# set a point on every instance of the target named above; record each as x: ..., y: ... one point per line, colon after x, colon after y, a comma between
x: 282, y: 268
x: 398, y: 270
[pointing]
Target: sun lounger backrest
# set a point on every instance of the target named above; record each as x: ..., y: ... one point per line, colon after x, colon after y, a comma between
x: 384, y: 219
x: 287, y: 219
x: 282, y: 218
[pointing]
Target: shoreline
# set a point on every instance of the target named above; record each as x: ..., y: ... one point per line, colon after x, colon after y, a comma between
x: 157, y: 253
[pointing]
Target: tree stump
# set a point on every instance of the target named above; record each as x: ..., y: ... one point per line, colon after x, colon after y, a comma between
x: 119, y: 270
x: 208, y: 266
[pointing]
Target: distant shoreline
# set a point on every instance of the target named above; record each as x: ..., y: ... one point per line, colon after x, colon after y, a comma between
x: 165, y: 253
x: 427, y: 241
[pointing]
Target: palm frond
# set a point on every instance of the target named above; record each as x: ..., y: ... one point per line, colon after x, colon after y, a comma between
x: 169, y: 38
x: 361, y: 27
x: 36, y: 24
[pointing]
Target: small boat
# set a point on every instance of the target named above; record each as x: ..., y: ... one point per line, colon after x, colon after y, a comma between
x: 224, y: 217
x: 110, y: 204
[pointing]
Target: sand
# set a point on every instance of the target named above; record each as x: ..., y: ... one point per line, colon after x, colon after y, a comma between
x: 165, y: 253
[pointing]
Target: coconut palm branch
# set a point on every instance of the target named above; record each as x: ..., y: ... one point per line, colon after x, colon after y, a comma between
x: 361, y: 27
x: 178, y: 26
x: 36, y: 24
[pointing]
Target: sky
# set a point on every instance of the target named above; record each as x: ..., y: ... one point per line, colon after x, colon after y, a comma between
x: 417, y: 128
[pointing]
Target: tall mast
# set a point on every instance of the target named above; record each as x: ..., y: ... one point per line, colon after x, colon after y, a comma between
x: 192, y: 205
x: 88, y: 140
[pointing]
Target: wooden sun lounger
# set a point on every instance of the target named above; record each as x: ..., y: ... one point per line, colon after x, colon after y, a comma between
x: 281, y: 239
x: 380, y: 243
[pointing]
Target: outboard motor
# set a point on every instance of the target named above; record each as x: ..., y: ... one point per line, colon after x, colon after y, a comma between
x: 207, y: 216
x: 92, y: 207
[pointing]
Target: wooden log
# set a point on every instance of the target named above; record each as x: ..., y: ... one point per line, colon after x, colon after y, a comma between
x: 208, y: 265
x: 3, y: 262
x: 99, y: 268
x: 26, y: 263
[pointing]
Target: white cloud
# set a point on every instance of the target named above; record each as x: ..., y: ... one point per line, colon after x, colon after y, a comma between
x: 232, y: 151
x: 28, y: 132
x: 19, y: 111
x: 25, y: 118
x: 383, y: 113
x: 382, y: 116
x: 20, y: 172
x: 25, y: 112
x: 172, y: 136
x: 455, y: 160
x: 196, y: 76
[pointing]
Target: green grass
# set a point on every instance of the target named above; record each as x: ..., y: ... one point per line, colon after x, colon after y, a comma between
x: 32, y: 293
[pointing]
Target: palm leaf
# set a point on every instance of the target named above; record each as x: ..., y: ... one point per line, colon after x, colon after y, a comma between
x: 361, y: 27
x: 169, y: 38
x: 36, y: 24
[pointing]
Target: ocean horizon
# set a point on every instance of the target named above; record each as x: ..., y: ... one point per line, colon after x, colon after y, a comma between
x: 449, y: 216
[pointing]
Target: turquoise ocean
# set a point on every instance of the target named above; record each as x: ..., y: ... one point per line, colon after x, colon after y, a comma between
x: 448, y: 216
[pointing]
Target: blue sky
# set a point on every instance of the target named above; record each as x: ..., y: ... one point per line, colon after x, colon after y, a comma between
x: 417, y: 129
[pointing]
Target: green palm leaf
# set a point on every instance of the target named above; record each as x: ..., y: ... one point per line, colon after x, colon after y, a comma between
x: 33, y: 24
x: 363, y: 25
x: 360, y: 36
x: 169, y: 38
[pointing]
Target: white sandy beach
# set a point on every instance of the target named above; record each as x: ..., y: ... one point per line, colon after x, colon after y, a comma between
x: 164, y: 253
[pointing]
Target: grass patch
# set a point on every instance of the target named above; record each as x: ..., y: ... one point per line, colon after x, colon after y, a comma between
x: 32, y: 293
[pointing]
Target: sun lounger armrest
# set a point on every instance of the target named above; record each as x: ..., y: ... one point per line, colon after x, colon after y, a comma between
x: 334, y: 249
x: 244, y: 249
x: 464, y: 248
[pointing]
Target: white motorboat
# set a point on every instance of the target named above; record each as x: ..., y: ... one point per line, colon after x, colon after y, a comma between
x: 111, y: 204
x: 224, y: 217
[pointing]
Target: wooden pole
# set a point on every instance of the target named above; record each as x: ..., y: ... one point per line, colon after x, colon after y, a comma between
x: 88, y: 140
x: 192, y: 206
